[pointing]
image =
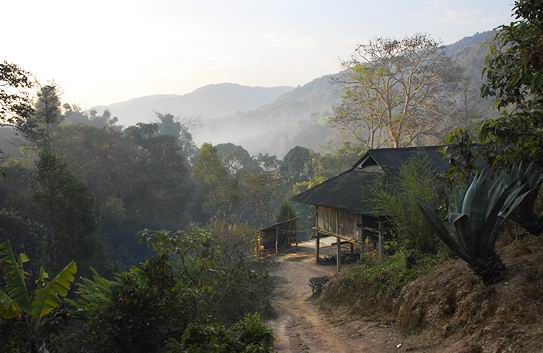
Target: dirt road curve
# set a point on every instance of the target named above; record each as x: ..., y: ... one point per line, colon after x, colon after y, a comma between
x: 302, y: 327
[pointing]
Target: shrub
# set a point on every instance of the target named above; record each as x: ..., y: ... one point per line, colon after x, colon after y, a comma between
x: 25, y: 236
x: 417, y: 180
x: 375, y: 285
x: 317, y: 285
x: 249, y: 335
x: 286, y: 212
x: 194, y: 279
x: 136, y: 312
x: 201, y: 338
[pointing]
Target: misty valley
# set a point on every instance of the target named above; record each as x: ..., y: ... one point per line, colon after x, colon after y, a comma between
x: 393, y: 204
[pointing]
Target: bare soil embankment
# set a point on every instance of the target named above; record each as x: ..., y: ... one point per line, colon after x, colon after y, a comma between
x: 448, y: 310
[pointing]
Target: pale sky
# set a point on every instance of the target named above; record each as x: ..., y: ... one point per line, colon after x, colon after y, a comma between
x: 105, y: 51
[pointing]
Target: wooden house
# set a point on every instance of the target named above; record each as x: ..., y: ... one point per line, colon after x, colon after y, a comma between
x: 344, y: 205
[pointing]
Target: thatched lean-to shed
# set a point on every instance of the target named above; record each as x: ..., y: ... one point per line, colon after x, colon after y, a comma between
x: 344, y: 206
x: 279, y: 236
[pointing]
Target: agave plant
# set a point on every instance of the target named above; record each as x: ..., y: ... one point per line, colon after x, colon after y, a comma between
x: 481, y: 209
x: 525, y: 214
x: 16, y: 301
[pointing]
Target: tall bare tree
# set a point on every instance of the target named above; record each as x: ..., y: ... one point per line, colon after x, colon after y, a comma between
x: 395, y: 91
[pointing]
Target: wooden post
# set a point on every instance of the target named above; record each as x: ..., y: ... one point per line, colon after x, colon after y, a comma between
x: 257, y: 245
x: 276, y: 239
x: 338, y: 254
x: 381, y: 245
x: 317, y: 245
x: 337, y: 223
x: 361, y: 240
x: 317, y: 239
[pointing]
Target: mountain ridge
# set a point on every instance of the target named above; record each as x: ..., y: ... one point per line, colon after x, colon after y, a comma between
x: 297, y: 115
x: 212, y: 101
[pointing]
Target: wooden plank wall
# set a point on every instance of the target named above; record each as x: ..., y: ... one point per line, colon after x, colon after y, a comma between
x: 339, y: 221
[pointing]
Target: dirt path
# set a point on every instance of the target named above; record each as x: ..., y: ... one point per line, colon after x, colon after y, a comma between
x: 302, y: 327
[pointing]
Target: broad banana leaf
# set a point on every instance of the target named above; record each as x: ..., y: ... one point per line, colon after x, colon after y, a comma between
x: 15, y: 276
x: 49, y: 297
x: 8, y: 307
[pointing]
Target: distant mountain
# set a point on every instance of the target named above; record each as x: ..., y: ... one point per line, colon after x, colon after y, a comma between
x: 294, y: 118
x: 276, y: 119
x: 297, y: 117
x: 469, y: 42
x: 209, y: 102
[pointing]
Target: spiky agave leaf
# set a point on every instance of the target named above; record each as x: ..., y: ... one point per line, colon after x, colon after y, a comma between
x: 443, y: 234
x: 525, y: 214
x: 481, y: 210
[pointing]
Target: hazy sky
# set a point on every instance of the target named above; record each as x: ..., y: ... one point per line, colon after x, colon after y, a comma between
x: 104, y: 51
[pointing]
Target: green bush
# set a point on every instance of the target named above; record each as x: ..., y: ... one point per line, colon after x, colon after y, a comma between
x: 249, y: 335
x: 201, y: 338
x: 375, y: 285
x: 136, y: 312
x: 417, y: 180
x: 252, y: 335
x: 194, y: 279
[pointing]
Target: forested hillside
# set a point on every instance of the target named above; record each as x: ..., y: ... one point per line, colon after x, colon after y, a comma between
x: 297, y: 117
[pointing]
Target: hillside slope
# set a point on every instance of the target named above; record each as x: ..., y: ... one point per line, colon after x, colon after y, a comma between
x: 299, y: 117
x: 452, y: 307
x: 208, y: 102
x: 274, y: 120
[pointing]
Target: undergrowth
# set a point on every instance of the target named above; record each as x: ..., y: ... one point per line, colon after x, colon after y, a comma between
x: 373, y: 287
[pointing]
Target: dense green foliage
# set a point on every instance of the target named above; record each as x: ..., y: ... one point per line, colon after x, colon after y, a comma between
x: 84, y: 188
x: 374, y: 286
x: 526, y: 214
x: 65, y: 206
x: 417, y: 180
x: 220, y: 190
x: 249, y: 335
x: 25, y: 236
x: 286, y: 212
x: 15, y: 103
x: 514, y: 73
x: 197, y: 278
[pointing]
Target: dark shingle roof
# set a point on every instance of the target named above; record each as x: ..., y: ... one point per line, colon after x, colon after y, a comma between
x: 351, y: 190
x: 390, y: 159
x: 345, y: 191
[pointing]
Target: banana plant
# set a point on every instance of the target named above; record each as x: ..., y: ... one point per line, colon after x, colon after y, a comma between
x: 481, y: 209
x: 525, y: 214
x: 17, y: 301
